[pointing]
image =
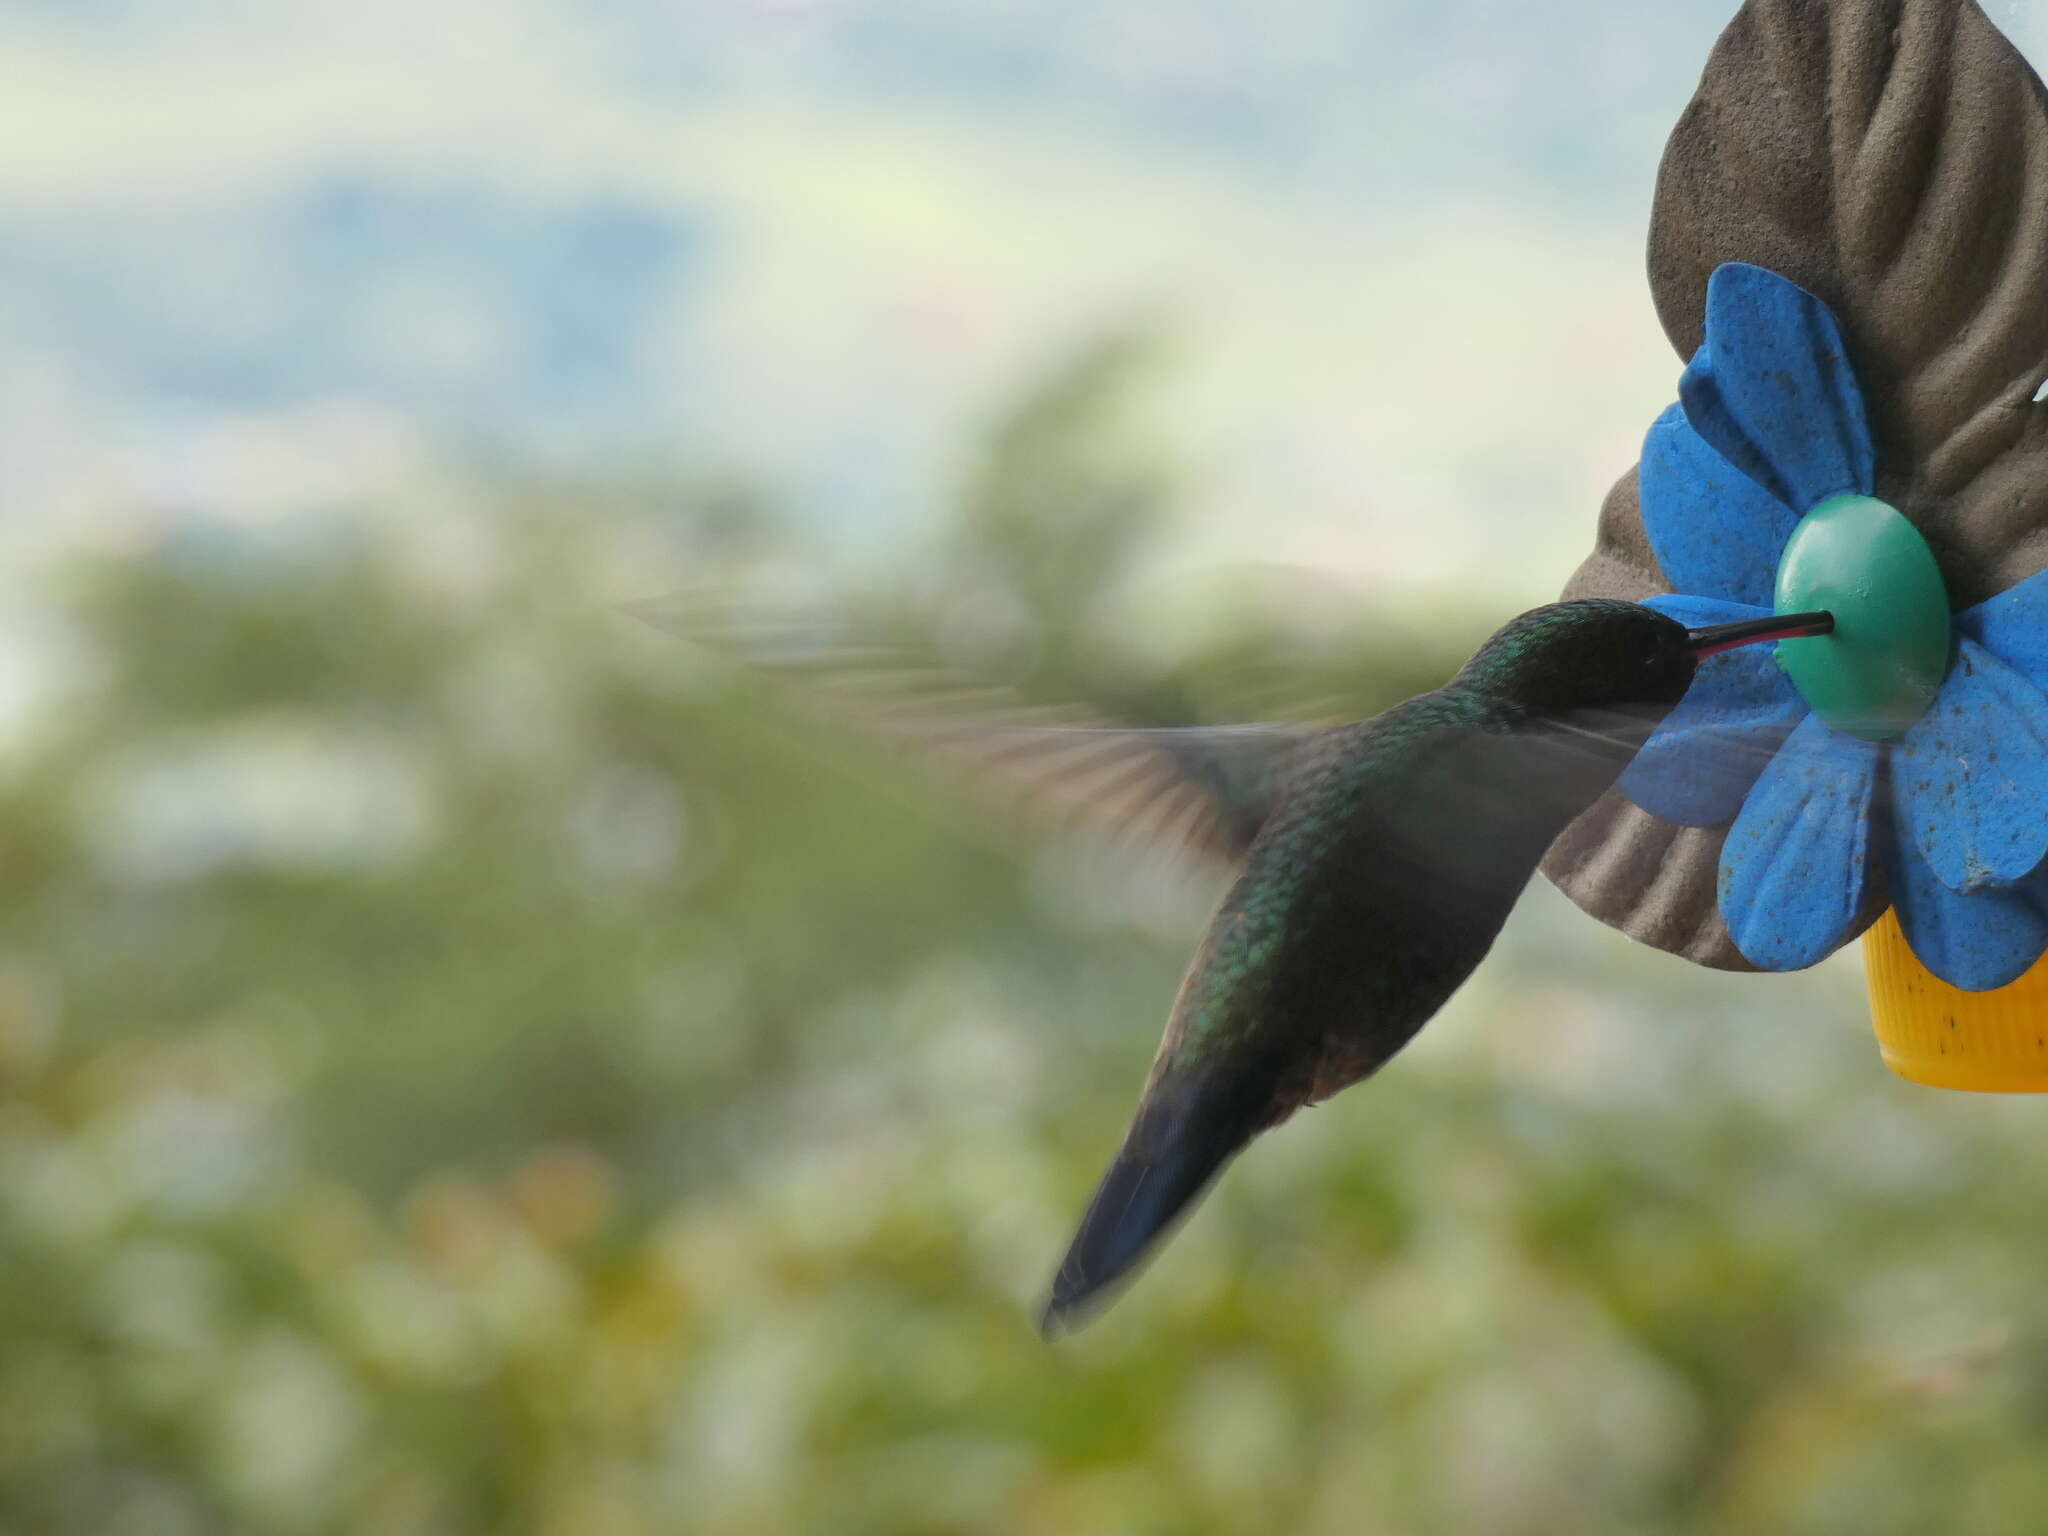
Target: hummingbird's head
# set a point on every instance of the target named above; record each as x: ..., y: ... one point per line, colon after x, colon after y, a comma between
x: 1601, y: 653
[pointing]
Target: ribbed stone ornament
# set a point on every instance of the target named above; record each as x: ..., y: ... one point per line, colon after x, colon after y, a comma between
x: 1889, y: 157
x: 1880, y: 669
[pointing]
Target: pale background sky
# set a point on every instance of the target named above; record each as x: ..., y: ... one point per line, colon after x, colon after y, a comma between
x: 256, y: 259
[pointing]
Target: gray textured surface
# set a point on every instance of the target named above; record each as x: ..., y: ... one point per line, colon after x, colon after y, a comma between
x: 1890, y: 156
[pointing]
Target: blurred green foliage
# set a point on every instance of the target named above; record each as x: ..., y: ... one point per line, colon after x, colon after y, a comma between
x: 471, y: 1063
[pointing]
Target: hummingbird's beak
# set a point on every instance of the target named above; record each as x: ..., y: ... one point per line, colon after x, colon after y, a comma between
x: 1717, y: 638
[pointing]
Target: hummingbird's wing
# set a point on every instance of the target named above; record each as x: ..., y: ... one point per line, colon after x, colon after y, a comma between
x: 1202, y: 790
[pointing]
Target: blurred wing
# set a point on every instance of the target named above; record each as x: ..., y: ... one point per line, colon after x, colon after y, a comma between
x: 1196, y: 789
x: 1746, y: 749
x: 1207, y: 789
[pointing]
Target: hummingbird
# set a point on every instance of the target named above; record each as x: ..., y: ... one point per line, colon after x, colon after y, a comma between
x: 1377, y: 863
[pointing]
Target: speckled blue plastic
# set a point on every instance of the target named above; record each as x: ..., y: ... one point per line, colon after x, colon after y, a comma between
x: 1770, y: 425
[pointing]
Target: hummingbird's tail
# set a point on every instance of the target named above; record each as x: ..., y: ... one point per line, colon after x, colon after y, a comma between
x: 1189, y: 1125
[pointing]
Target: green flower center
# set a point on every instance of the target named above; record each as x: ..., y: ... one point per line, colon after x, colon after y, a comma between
x: 1861, y: 560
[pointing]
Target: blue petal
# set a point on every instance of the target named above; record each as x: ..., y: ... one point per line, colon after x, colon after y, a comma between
x: 1795, y: 863
x: 1713, y: 529
x: 2013, y: 625
x: 1971, y: 776
x: 1697, y: 766
x: 1773, y: 392
x: 1976, y: 941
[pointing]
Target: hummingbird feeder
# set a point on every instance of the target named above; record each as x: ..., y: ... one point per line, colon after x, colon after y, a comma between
x: 1851, y: 242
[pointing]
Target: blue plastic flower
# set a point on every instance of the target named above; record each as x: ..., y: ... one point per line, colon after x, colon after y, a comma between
x: 1771, y: 423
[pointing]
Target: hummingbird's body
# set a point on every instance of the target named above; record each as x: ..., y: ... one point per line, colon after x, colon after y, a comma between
x: 1383, y: 866
x: 1409, y: 836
